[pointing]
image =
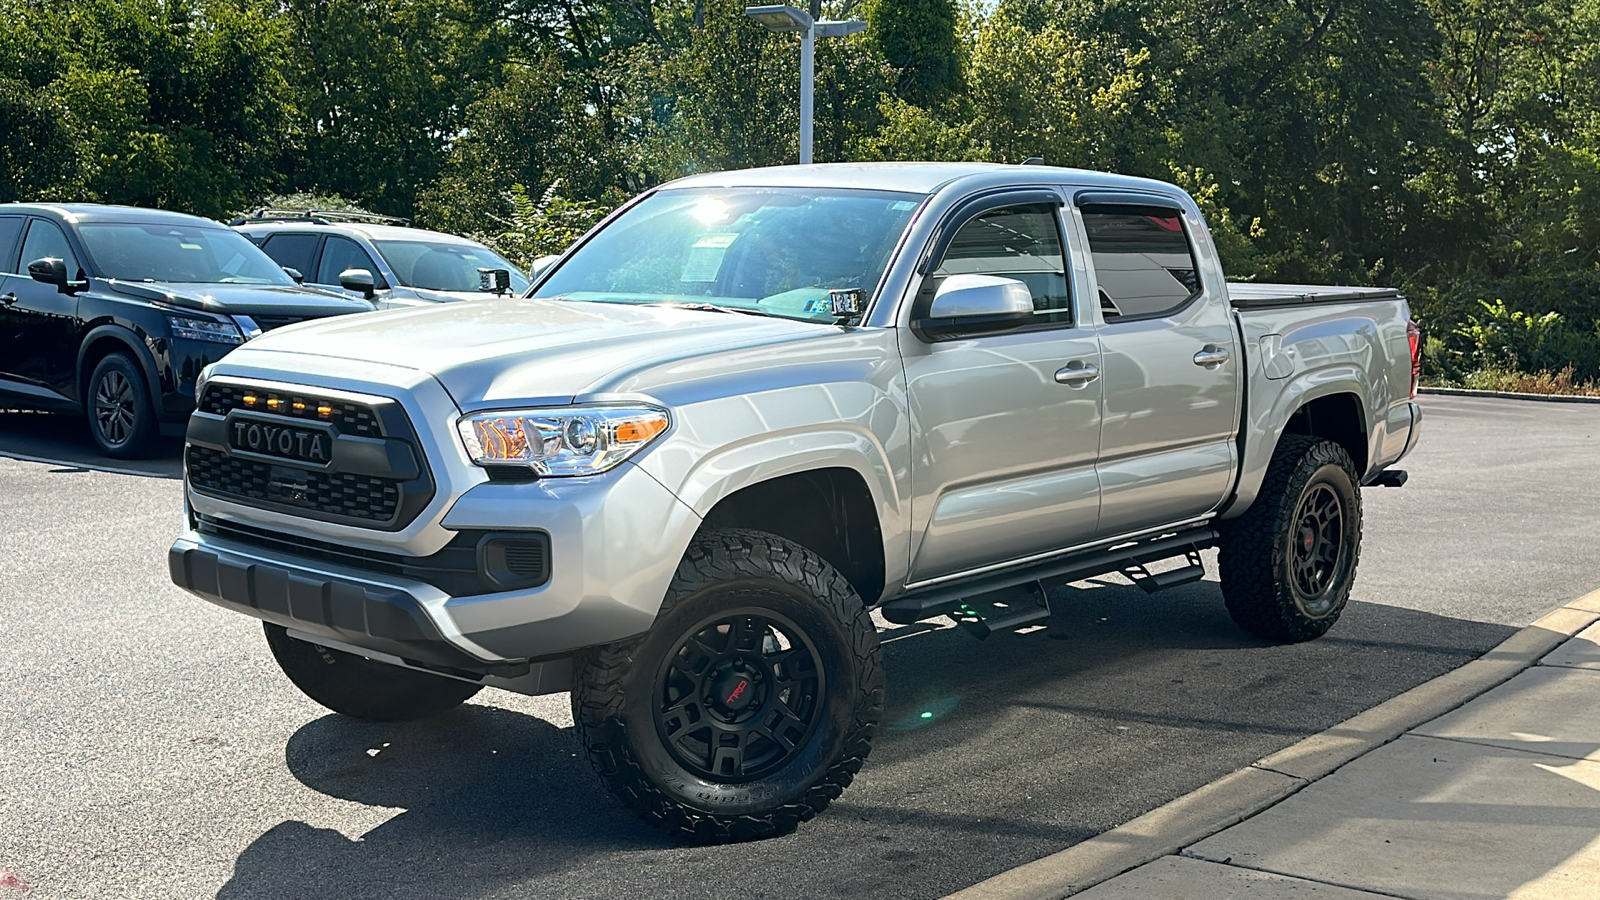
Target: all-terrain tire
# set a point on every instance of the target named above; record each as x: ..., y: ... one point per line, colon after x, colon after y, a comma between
x: 1286, y: 575
x: 122, y: 420
x: 360, y: 688
x: 748, y: 618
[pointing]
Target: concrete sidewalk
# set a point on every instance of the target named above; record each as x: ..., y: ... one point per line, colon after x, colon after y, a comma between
x: 1490, y: 790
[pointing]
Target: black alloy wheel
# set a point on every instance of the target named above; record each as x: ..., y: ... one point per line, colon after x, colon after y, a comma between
x: 1318, y: 548
x: 748, y: 706
x: 122, y: 419
x: 1288, y: 562
x: 113, y: 408
x: 739, y: 696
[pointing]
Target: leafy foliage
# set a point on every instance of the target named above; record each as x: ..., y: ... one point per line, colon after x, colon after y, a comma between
x: 530, y: 228
x: 1447, y: 147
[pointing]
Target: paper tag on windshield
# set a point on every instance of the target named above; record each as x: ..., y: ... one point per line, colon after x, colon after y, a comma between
x: 705, y: 257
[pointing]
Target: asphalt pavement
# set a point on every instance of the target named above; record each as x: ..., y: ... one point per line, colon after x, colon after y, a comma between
x: 150, y: 748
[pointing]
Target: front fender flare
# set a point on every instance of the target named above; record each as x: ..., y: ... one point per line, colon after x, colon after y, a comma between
x: 723, y: 472
x: 136, y: 347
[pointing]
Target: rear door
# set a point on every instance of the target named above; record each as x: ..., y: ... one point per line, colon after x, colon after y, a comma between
x: 1170, y: 363
x: 1003, y: 466
x: 38, y: 323
x: 293, y: 250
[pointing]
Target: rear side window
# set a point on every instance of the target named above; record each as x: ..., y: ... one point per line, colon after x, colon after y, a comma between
x: 46, y: 240
x: 10, y: 230
x: 1018, y: 242
x: 339, y: 254
x: 1142, y: 260
x: 292, y: 251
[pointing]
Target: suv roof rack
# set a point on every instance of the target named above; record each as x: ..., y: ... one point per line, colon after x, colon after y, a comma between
x: 318, y: 216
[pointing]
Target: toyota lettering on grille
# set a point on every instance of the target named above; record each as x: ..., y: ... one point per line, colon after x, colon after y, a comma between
x: 301, y: 444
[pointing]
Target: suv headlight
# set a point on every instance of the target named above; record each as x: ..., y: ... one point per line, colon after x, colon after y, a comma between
x: 574, y: 440
x: 205, y: 330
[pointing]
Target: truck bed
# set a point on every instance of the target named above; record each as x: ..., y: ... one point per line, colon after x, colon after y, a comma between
x: 1250, y: 295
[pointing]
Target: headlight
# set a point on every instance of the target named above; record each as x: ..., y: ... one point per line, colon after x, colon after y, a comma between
x: 576, y: 440
x: 217, y: 332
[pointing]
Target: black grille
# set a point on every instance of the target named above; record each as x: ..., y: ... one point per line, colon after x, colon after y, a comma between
x: 349, y: 418
x: 267, y: 323
x: 330, y: 493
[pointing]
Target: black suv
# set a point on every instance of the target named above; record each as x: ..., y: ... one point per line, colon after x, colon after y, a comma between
x: 112, y: 311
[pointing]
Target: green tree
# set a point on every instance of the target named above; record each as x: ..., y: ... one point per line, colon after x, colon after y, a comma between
x: 917, y: 38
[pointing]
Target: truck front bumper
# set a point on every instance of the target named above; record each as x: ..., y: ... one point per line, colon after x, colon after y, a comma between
x: 613, y: 544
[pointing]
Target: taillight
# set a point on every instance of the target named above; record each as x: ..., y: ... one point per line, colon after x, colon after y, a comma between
x: 1414, y: 335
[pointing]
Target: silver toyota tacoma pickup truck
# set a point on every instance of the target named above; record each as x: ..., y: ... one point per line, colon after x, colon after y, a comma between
x: 749, y: 409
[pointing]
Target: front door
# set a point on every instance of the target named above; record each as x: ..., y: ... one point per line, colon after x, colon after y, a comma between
x: 1003, y: 461
x: 38, y: 323
x: 1170, y: 364
x: 338, y: 255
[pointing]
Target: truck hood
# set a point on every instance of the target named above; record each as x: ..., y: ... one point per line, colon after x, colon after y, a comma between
x: 452, y: 296
x: 532, y: 350
x: 243, y: 299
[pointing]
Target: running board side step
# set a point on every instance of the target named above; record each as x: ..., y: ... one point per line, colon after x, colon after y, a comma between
x: 944, y: 600
x: 1191, y: 571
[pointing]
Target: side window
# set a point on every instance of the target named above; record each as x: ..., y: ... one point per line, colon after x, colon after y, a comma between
x: 1142, y: 260
x: 10, y: 230
x: 292, y: 251
x: 44, y: 240
x: 339, y: 254
x: 1020, y: 242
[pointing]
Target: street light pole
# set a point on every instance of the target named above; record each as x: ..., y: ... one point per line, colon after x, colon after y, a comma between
x: 787, y: 19
x: 808, y: 42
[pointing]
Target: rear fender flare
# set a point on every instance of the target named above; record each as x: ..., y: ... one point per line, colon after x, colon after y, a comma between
x: 1263, y: 429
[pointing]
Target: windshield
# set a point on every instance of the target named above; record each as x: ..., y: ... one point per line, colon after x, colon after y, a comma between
x: 772, y: 251
x: 437, y: 266
x: 181, y: 253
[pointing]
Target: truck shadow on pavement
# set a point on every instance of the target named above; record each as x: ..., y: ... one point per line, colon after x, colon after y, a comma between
x: 993, y: 753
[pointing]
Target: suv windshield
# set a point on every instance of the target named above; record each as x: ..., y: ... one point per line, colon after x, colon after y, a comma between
x: 771, y: 251
x: 438, y: 266
x: 181, y: 253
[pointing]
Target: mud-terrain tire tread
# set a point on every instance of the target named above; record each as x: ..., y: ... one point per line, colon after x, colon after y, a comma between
x: 718, y: 556
x: 1251, y: 547
x: 360, y: 688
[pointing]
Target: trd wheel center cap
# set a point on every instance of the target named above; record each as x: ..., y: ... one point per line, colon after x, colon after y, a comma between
x: 735, y: 689
x: 1307, y: 538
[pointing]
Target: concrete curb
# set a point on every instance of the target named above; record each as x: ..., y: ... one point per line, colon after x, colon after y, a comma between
x: 1242, y: 794
x: 1508, y: 395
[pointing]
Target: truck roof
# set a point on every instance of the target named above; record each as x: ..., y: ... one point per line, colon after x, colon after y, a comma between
x: 74, y: 213
x: 911, y: 177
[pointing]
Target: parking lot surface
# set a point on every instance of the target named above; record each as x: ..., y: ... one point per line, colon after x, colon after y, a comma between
x: 150, y: 748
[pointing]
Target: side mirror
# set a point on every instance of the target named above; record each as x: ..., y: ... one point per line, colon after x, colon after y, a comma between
x: 966, y: 305
x: 541, y: 266
x: 494, y: 281
x: 53, y: 270
x: 295, y: 274
x: 358, y: 280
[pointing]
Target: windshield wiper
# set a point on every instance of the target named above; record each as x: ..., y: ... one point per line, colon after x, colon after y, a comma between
x: 709, y: 307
